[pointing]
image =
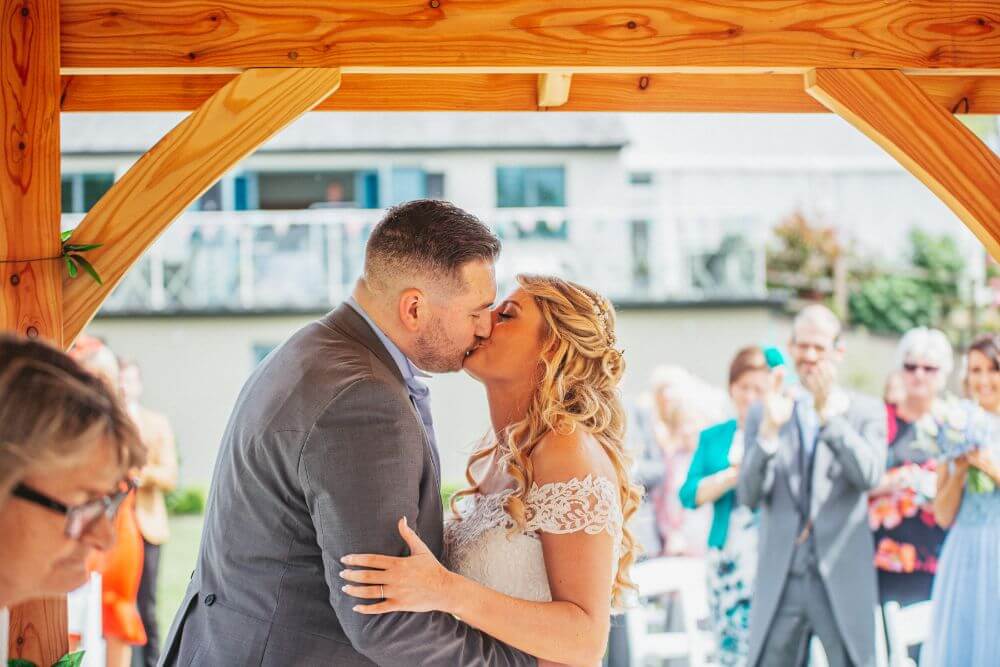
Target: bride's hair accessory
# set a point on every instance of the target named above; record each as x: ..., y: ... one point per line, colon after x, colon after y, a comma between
x: 604, y: 321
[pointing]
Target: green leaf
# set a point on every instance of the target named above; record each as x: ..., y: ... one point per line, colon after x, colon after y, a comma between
x: 65, y: 235
x: 69, y: 247
x: 70, y: 660
x: 18, y: 662
x: 71, y: 267
x: 88, y: 267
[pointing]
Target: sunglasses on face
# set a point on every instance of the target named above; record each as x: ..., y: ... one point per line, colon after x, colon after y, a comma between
x: 83, y: 517
x: 913, y: 368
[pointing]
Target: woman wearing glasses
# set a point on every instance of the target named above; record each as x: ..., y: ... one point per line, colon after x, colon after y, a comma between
x: 65, y: 447
x: 908, y: 537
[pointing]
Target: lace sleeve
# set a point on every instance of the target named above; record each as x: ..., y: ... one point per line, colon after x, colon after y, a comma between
x: 590, y: 505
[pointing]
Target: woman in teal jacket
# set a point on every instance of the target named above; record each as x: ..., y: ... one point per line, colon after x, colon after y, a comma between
x: 732, y: 554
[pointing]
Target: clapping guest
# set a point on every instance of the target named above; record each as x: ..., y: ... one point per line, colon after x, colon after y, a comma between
x: 157, y: 477
x: 712, y: 478
x: 966, y: 594
x: 66, y: 445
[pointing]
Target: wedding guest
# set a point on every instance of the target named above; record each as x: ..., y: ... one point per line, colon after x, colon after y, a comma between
x: 811, y: 457
x: 908, y: 538
x: 121, y: 567
x: 685, y: 405
x: 65, y: 447
x: 157, y: 477
x: 966, y: 593
x: 712, y: 477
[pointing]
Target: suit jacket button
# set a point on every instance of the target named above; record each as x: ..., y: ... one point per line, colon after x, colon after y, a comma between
x: 210, y: 599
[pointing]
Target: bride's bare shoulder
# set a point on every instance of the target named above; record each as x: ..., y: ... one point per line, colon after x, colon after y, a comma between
x: 565, y: 456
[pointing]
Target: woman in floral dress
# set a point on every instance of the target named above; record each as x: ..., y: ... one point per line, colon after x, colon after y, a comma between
x: 908, y: 538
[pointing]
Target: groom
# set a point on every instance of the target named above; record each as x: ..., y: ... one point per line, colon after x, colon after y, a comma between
x: 329, y: 444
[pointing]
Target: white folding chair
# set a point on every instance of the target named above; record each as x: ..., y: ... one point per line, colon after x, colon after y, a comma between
x: 905, y: 627
x: 656, y: 579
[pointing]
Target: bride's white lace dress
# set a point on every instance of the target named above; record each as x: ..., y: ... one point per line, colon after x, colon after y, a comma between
x: 484, y: 546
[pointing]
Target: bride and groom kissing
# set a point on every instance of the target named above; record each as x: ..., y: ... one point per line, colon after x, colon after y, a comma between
x: 325, y: 539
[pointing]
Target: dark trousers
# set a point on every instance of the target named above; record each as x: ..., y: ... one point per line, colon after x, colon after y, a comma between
x: 149, y: 653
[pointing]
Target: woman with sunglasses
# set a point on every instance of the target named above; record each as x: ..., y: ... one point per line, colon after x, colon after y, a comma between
x: 908, y: 537
x: 65, y: 447
x: 966, y: 599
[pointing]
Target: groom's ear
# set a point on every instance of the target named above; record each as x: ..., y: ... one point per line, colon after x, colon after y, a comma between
x: 412, y: 308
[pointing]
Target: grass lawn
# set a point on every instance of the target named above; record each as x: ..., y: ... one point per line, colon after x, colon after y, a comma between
x: 177, y: 559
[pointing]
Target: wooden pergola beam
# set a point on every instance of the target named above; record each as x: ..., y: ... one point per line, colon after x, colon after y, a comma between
x: 748, y: 93
x: 227, y: 127
x: 31, y: 291
x: 928, y: 141
x: 525, y: 35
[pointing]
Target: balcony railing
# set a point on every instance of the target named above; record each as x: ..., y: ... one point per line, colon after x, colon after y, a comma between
x: 260, y: 261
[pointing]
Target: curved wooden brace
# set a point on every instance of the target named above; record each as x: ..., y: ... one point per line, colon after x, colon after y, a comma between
x: 227, y: 127
x: 935, y: 147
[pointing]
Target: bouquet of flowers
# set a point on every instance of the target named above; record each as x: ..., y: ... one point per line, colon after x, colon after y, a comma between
x: 955, y: 427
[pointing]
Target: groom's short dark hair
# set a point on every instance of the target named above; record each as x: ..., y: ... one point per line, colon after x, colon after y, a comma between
x: 426, y: 236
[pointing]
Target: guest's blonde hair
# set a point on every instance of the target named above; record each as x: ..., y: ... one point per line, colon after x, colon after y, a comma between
x: 53, y: 412
x: 581, y: 370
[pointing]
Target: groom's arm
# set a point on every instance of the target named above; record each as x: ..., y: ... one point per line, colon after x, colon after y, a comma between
x: 361, y: 468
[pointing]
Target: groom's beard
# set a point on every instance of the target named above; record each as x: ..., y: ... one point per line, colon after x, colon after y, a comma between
x: 436, y: 353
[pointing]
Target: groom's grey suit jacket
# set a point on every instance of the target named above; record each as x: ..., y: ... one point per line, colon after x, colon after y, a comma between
x: 323, y: 454
x: 848, y: 459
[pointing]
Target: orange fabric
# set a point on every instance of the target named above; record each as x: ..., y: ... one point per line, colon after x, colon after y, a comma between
x: 121, y: 570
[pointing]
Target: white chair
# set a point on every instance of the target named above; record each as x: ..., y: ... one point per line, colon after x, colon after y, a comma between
x: 659, y: 578
x: 905, y: 627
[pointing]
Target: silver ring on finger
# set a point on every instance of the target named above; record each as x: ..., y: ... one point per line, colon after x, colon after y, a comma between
x: 381, y: 590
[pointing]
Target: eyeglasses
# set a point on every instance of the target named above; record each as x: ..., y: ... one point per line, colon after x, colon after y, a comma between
x: 913, y: 368
x: 79, y: 518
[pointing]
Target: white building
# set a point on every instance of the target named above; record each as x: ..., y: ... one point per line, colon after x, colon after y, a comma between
x: 667, y: 214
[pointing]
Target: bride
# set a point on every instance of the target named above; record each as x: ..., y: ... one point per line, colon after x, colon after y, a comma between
x: 538, y: 549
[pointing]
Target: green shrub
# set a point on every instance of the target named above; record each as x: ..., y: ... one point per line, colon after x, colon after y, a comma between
x: 189, y: 500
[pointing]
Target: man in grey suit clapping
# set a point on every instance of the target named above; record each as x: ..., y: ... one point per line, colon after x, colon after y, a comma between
x: 330, y: 443
x: 810, y: 460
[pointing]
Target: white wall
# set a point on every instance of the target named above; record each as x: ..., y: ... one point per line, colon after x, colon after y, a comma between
x: 194, y: 367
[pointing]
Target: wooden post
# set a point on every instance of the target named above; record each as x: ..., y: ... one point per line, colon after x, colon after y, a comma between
x: 31, y: 291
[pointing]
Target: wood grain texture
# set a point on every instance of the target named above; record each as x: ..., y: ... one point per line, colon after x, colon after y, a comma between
x: 30, y: 292
x: 944, y: 154
x: 38, y: 631
x: 472, y: 34
x: 227, y: 127
x: 746, y: 93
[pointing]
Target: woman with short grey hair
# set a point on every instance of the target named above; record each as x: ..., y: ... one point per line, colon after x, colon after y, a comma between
x: 907, y: 536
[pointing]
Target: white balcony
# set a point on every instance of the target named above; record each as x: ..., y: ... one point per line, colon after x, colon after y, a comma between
x: 306, y: 260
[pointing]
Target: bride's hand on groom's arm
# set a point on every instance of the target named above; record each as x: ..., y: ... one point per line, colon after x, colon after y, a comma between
x: 417, y: 582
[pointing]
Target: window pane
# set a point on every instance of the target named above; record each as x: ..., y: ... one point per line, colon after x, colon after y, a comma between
x: 435, y: 186
x: 94, y: 187
x: 212, y: 199
x: 67, y: 194
x: 531, y: 186
x: 308, y: 189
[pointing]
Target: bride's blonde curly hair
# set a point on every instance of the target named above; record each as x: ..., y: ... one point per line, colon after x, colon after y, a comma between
x: 578, y: 388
